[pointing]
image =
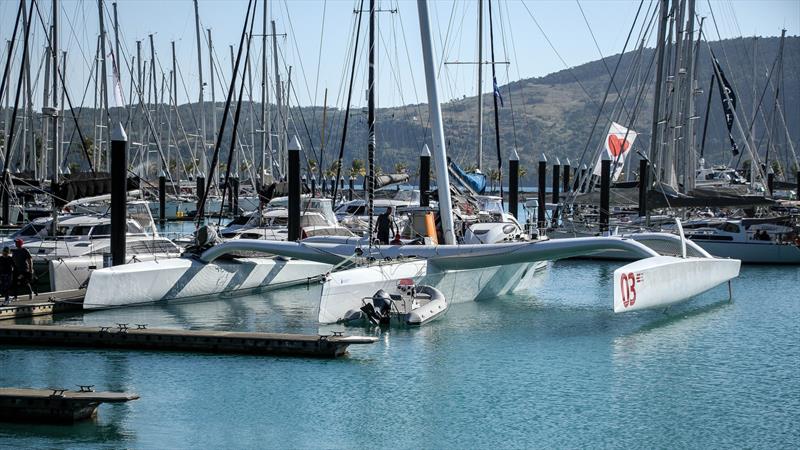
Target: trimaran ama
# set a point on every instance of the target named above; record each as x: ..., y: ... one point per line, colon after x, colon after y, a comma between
x: 462, y: 272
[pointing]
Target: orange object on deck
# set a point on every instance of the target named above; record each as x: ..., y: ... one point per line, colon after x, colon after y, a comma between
x: 430, y: 228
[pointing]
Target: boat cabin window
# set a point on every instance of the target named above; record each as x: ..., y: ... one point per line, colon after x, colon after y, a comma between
x: 312, y: 220
x: 729, y: 228
x: 241, y: 220
x: 77, y: 230
x: 32, y: 229
x: 101, y: 230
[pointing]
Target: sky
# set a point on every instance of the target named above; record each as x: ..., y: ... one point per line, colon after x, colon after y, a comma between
x: 537, y: 37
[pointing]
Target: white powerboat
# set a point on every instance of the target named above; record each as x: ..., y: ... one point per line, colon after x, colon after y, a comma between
x: 409, y: 304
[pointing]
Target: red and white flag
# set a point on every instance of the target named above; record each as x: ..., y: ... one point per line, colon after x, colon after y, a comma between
x: 618, y: 144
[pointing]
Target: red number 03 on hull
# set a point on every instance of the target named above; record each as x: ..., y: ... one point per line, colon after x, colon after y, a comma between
x: 627, y: 286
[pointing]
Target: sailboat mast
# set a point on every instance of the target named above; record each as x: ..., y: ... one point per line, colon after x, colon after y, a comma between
x: 278, y: 98
x: 202, y: 87
x: 655, y: 149
x: 439, y: 150
x: 479, y: 156
x: 213, y: 89
x: 266, y: 140
x: 54, y: 113
x: 104, y: 81
x: 690, y: 164
x: 494, y: 97
x: 371, y: 121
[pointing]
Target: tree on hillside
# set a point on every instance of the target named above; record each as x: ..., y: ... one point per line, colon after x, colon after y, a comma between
x: 357, y: 168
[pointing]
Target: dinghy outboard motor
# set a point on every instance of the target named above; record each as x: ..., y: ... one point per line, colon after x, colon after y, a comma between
x: 378, y: 311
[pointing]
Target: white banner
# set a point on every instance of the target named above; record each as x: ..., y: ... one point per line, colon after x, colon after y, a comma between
x: 617, y: 144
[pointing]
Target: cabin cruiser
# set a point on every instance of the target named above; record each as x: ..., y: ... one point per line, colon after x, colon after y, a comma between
x: 65, y: 260
x: 273, y: 225
x: 354, y: 215
x: 316, y: 219
x: 760, y: 241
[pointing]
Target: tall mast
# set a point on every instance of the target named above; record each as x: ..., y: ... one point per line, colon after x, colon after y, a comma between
x: 278, y: 102
x: 655, y: 149
x: 677, y: 77
x: 154, y: 83
x: 371, y: 120
x: 203, y: 168
x: 6, y: 108
x: 45, y: 105
x: 266, y: 139
x: 690, y: 165
x: 479, y: 158
x: 54, y: 164
x: 174, y: 100
x: 213, y: 89
x: 28, y: 158
x: 104, y: 81
x: 439, y: 150
x: 494, y: 97
x: 117, y: 58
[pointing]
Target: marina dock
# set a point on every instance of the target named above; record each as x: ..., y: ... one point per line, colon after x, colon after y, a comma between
x: 55, y: 404
x: 139, y: 337
x: 44, y: 304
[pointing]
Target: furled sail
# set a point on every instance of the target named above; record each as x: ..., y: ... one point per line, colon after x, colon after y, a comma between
x: 475, y: 181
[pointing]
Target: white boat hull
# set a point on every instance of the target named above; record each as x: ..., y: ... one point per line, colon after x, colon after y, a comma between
x: 661, y: 281
x: 754, y: 252
x: 185, y: 279
x: 344, y: 290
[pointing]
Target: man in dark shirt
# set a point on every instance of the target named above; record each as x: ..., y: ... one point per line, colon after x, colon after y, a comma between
x: 23, y: 267
x: 6, y: 274
x: 386, y: 226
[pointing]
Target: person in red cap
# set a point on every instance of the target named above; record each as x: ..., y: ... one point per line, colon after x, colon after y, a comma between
x: 23, y: 268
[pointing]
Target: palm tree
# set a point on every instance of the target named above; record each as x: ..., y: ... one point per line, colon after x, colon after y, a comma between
x: 400, y: 167
x: 357, y: 168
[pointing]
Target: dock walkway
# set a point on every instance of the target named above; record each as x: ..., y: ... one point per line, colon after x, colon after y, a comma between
x: 138, y: 336
x: 55, y: 404
x: 48, y: 303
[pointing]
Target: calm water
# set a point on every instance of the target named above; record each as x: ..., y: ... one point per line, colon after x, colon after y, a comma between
x: 552, y: 368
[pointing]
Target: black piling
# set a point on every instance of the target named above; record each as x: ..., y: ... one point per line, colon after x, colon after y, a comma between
x: 352, y: 188
x: 513, y: 184
x: 541, y: 218
x: 567, y: 172
x: 556, y: 191
x: 199, y: 192
x: 234, y: 195
x: 424, y: 176
x: 797, y: 179
x: 313, y: 186
x: 644, y: 185
x: 162, y: 198
x: 324, y: 185
x: 6, y: 193
x: 119, y: 194
x: 605, y: 192
x: 556, y: 183
x: 294, y: 190
x: 771, y: 183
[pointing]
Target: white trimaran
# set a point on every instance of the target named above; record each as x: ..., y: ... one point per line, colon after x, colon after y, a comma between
x: 461, y: 272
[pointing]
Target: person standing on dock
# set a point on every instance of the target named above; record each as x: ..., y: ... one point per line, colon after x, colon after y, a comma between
x: 6, y: 274
x: 386, y: 226
x: 23, y: 268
